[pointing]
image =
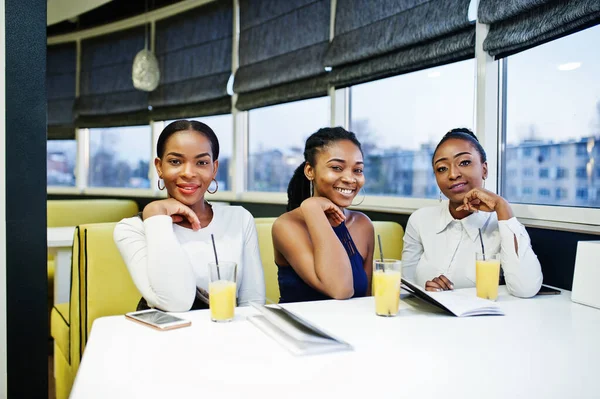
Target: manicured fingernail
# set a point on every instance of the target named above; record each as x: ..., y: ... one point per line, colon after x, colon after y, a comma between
x: 451, y: 286
x: 438, y: 289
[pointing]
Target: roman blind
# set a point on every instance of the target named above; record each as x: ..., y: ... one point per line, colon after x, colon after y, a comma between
x: 194, y: 55
x: 516, y: 25
x: 281, y: 50
x: 107, y: 96
x: 380, y: 38
x: 60, y: 82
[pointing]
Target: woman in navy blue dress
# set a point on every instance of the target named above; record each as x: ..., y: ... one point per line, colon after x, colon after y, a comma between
x: 322, y: 249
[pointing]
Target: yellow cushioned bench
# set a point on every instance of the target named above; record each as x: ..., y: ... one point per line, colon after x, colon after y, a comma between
x: 392, y: 239
x: 267, y: 256
x: 61, y: 213
x: 100, y: 286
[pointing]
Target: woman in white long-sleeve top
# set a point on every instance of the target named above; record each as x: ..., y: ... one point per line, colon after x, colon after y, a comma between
x: 440, y: 242
x: 168, y: 246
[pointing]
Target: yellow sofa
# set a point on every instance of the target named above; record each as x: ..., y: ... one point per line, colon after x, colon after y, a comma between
x: 267, y: 256
x: 392, y: 239
x: 75, y: 212
x: 62, y: 213
x: 100, y: 286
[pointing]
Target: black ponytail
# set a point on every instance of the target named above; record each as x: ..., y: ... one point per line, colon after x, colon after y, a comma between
x: 298, y: 189
x: 299, y: 186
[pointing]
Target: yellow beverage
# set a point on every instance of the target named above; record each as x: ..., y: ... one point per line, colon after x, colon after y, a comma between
x: 386, y: 287
x: 487, y: 276
x: 221, y: 300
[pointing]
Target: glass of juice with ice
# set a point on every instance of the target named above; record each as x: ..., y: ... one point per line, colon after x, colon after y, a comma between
x: 487, y: 275
x: 222, y: 290
x: 386, y: 286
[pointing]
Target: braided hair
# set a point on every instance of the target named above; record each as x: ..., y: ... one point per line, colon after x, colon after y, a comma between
x: 462, y: 133
x: 299, y: 186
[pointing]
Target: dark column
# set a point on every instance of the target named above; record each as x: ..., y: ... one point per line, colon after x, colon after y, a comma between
x: 26, y: 275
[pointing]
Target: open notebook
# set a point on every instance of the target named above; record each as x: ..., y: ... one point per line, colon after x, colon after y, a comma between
x: 294, y: 333
x: 458, y: 303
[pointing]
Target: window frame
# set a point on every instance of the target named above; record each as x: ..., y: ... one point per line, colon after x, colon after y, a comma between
x: 489, y: 78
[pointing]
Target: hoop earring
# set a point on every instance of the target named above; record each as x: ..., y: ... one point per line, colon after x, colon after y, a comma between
x: 363, y: 198
x: 484, y: 182
x: 216, y: 189
x: 312, y: 189
x: 440, y: 196
x: 158, y: 184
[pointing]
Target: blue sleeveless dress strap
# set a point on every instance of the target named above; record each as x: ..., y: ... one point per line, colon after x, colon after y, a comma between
x: 293, y: 289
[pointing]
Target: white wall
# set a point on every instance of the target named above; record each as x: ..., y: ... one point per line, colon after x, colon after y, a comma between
x: 2, y: 209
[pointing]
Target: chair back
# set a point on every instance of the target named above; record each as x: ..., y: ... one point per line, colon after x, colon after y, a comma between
x: 105, y: 287
x: 267, y: 255
x: 75, y: 212
x: 392, y: 239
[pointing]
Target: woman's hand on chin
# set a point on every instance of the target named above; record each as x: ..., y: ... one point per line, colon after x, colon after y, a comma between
x: 171, y: 207
x: 480, y: 199
x: 334, y: 214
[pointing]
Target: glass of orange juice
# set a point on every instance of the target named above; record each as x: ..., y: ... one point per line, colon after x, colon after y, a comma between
x: 387, y: 274
x: 222, y: 290
x: 487, y: 275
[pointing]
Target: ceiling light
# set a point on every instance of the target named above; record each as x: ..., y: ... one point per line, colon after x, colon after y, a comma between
x: 569, y: 66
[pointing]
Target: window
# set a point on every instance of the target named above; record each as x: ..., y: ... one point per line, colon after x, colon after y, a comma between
x: 544, y: 192
x: 512, y: 173
x: 581, y: 194
x: 527, y: 191
x: 277, y: 135
x: 552, y: 101
x: 561, y: 193
x: 528, y: 172
x: 562, y: 173
x: 399, y: 121
x: 222, y: 125
x: 120, y: 157
x: 61, y: 156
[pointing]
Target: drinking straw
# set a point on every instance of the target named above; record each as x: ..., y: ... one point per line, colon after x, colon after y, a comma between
x: 482, y: 248
x: 212, y: 237
x: 381, y: 253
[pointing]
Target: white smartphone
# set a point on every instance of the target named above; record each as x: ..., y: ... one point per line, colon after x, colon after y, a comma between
x: 157, y: 319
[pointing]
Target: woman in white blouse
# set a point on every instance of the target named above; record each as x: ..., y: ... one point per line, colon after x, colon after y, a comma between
x: 440, y: 242
x: 168, y: 246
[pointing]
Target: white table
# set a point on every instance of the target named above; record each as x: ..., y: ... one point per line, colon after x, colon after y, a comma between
x: 545, y: 347
x: 60, y: 243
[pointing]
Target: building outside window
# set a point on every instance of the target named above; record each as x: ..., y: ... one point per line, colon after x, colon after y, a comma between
x: 61, y: 156
x: 400, y: 129
x: 553, y: 118
x: 120, y: 157
x: 277, y: 135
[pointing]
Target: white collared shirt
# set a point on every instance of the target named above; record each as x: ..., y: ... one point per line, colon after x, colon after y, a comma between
x: 435, y: 243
